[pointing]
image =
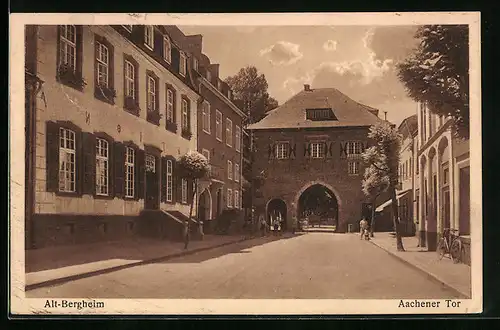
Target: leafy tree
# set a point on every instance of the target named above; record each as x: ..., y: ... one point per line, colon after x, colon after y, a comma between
x: 375, y: 182
x: 384, y: 158
x: 437, y: 73
x: 250, y: 92
x: 192, y: 166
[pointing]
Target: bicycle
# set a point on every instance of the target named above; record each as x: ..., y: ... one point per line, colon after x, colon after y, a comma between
x: 450, y: 244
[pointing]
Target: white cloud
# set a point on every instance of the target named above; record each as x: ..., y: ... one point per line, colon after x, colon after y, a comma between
x: 365, y: 79
x: 282, y: 53
x: 330, y: 45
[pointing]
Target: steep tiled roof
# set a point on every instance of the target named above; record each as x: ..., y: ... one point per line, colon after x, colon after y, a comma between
x: 409, y: 126
x: 292, y: 114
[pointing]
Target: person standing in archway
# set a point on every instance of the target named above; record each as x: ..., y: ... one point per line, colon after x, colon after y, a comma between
x: 363, y: 227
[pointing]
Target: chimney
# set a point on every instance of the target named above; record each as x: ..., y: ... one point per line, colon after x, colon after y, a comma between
x: 307, y: 87
x: 385, y: 115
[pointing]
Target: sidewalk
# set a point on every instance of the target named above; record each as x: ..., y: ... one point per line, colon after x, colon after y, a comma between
x: 53, y: 265
x: 455, y: 276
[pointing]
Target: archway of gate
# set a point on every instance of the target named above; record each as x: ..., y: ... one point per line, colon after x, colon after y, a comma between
x: 319, y: 205
x: 276, y: 209
x: 205, y: 205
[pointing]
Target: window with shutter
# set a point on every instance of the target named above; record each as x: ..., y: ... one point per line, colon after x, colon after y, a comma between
x: 237, y: 138
x: 102, y: 167
x: 69, y: 56
x: 129, y: 160
x: 129, y: 79
x: 184, y: 190
x: 282, y: 150
x: 149, y: 36
x: 236, y: 199
x: 68, y: 46
x: 169, y: 181
x: 317, y: 149
x: 229, y: 198
x: 182, y: 64
x: 229, y: 132
x: 218, y: 125
x: 236, y: 172
x: 167, y: 49
x: 206, y: 117
x: 229, y: 170
x: 67, y: 160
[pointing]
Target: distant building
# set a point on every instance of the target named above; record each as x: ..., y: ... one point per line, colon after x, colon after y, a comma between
x: 309, y: 149
x: 444, y: 175
x: 408, y: 181
x: 220, y: 136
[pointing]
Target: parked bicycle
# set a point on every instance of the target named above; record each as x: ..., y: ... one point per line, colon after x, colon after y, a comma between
x: 450, y: 245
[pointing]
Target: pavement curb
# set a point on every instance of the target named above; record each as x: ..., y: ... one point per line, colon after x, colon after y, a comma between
x: 107, y: 270
x: 423, y: 271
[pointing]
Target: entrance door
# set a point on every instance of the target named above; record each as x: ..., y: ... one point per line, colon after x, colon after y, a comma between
x: 152, y: 184
x: 202, y: 207
x: 219, y: 201
x: 464, y: 191
x: 446, y: 208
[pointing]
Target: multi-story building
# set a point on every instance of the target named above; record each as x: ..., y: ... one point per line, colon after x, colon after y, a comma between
x: 116, y: 108
x: 309, y: 149
x: 219, y: 131
x: 444, y: 175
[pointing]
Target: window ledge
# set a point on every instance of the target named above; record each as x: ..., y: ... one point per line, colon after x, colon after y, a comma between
x: 68, y: 193
x: 77, y: 83
x: 186, y: 134
x: 171, y: 126
x: 106, y: 197
x: 105, y: 95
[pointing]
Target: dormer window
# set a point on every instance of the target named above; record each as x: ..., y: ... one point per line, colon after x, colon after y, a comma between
x: 219, y: 86
x: 182, y: 64
x: 167, y: 50
x: 209, y: 76
x: 149, y: 36
x: 195, y: 63
x: 229, y: 94
x: 320, y: 114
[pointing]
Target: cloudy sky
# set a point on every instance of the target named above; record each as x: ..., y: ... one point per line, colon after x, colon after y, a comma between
x: 357, y: 60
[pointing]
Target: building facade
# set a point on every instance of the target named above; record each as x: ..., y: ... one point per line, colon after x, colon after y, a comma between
x: 106, y: 130
x: 310, y: 149
x: 444, y: 175
x: 220, y: 135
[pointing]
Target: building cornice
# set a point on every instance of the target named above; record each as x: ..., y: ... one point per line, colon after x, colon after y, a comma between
x: 228, y: 102
x: 434, y: 137
x: 117, y: 37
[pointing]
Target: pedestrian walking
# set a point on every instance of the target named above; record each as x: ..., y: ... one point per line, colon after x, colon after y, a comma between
x: 363, y: 228
x: 294, y: 224
x: 262, y: 222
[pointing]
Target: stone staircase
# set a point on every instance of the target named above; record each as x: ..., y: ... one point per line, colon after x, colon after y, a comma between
x: 166, y: 225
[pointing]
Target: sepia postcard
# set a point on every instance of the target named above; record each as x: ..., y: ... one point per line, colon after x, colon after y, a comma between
x: 239, y: 164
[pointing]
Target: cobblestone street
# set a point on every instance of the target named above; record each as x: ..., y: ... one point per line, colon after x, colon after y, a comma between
x: 313, y: 265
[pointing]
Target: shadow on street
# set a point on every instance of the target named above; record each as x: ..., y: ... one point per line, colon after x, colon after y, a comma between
x: 240, y: 248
